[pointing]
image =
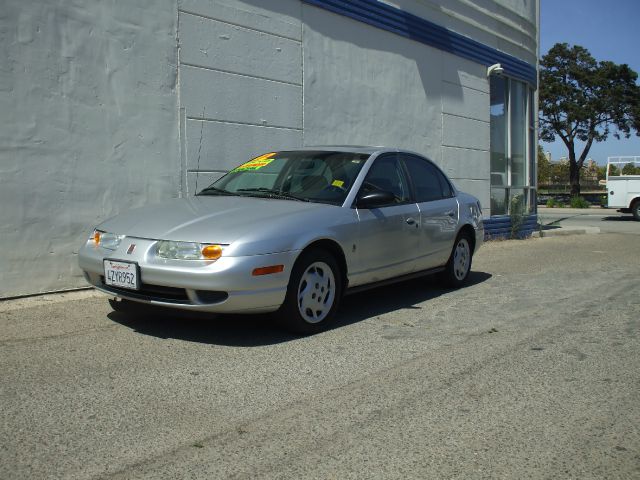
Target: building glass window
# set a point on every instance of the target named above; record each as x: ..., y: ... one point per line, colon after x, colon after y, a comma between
x: 512, y: 113
x: 518, y: 134
x: 499, y: 147
x: 533, y: 173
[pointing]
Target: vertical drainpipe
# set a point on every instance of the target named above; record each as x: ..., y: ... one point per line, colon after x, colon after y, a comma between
x: 182, y: 116
x: 302, y: 66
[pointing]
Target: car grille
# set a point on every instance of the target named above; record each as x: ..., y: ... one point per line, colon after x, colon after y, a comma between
x: 151, y: 292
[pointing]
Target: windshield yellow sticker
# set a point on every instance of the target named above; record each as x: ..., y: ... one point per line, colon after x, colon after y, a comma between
x: 338, y: 183
x: 256, y: 164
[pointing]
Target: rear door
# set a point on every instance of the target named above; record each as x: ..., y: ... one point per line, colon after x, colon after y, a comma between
x: 438, y: 207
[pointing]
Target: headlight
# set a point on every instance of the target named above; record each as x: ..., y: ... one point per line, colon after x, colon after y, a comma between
x: 188, y: 250
x: 107, y: 240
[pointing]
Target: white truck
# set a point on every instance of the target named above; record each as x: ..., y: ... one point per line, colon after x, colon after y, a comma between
x: 623, y: 189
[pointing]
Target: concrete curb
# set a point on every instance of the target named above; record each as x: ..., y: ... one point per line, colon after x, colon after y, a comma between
x: 17, y: 303
x: 565, y: 231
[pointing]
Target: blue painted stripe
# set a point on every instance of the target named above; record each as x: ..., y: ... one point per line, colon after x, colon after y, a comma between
x: 500, y: 227
x: 392, y: 19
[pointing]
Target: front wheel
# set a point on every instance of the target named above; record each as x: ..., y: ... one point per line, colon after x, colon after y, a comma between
x: 313, y: 293
x: 459, y: 265
x: 635, y: 209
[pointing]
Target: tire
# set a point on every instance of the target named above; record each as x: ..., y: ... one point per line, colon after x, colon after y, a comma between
x: 313, y: 293
x: 635, y: 209
x: 458, y: 267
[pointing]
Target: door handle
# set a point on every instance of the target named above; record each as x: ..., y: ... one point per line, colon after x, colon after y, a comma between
x: 450, y: 213
x: 410, y: 221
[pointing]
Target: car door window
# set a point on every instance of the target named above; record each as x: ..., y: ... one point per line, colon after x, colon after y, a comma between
x: 447, y: 190
x: 386, y: 174
x: 428, y: 182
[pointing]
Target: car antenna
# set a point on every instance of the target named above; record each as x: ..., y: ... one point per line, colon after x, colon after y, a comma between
x: 199, y: 149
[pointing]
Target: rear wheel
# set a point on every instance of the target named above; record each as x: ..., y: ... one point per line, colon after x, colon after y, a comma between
x: 635, y: 209
x: 459, y: 265
x: 313, y: 293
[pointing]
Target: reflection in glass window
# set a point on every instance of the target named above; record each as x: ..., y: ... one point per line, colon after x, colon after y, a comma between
x: 498, y: 129
x: 517, y: 200
x: 512, y: 114
x: 518, y: 134
x: 499, y: 201
x: 533, y: 171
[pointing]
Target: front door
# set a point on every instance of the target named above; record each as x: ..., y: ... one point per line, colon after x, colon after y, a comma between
x: 389, y: 236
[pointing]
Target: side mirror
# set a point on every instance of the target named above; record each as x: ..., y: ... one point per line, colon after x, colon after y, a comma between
x: 375, y: 199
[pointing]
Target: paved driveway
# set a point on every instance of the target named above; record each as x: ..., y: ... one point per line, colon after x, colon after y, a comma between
x: 606, y: 220
x: 533, y: 371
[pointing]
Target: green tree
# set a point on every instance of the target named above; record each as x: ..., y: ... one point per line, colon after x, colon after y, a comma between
x: 585, y: 100
x: 630, y: 169
x: 544, y: 168
x: 560, y: 173
x: 589, y: 174
x: 613, y: 171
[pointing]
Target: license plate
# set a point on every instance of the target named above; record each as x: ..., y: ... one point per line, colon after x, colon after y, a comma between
x: 121, y: 274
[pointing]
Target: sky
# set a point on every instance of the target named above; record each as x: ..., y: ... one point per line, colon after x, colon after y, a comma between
x: 610, y: 30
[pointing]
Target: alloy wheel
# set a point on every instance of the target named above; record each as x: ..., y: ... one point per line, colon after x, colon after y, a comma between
x: 461, y: 259
x: 316, y: 292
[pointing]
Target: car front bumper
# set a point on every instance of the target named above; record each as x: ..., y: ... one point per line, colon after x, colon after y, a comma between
x: 225, y: 285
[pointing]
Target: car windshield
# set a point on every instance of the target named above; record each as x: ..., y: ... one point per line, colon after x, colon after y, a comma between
x: 312, y: 176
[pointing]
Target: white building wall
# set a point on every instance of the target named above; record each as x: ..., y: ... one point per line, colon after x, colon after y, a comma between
x: 240, y: 82
x: 107, y: 106
x: 89, y: 116
x: 506, y: 25
x: 366, y: 86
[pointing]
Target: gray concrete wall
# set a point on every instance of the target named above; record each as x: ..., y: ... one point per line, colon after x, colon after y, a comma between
x: 240, y: 82
x: 506, y: 25
x: 109, y: 105
x: 366, y: 86
x: 258, y: 74
x: 88, y: 107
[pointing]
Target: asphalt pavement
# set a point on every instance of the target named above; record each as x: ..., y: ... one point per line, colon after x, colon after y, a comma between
x: 588, y: 220
x: 532, y: 371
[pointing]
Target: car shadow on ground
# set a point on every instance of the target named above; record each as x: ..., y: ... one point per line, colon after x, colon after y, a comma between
x: 261, y: 330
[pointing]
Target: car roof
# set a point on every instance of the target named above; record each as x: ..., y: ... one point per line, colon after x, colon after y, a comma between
x: 351, y: 149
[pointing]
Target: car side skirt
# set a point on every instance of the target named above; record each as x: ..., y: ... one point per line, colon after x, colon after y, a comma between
x: 390, y: 281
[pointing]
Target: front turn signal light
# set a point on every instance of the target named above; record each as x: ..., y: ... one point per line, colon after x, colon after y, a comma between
x: 211, y: 252
x: 97, y: 234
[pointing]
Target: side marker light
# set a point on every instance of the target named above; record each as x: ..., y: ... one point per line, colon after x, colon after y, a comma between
x: 267, y: 270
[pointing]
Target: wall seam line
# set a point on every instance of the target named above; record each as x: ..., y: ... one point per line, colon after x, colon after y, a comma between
x: 230, y: 72
x: 208, y: 17
x: 216, y: 120
x: 466, y: 148
x: 465, y: 117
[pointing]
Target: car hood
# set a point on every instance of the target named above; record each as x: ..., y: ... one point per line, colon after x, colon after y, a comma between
x: 220, y: 219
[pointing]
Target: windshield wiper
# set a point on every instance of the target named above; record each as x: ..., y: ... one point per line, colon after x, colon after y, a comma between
x: 269, y: 193
x: 215, y: 191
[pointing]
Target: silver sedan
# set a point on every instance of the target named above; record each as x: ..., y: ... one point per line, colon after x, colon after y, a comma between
x: 290, y: 232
